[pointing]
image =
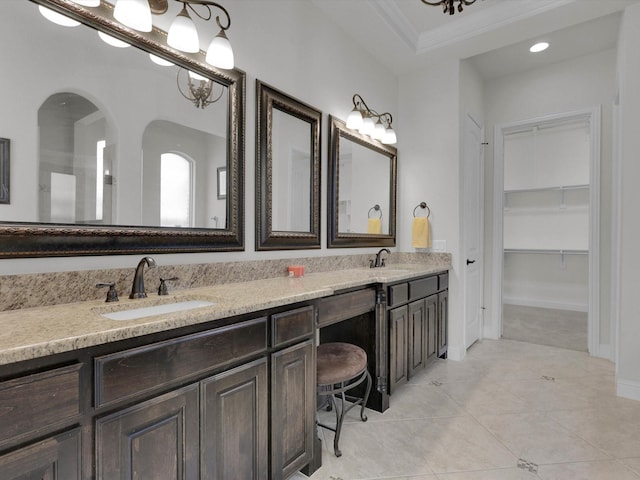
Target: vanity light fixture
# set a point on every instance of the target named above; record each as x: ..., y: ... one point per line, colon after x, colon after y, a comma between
x: 448, y: 6
x: 539, y: 47
x: 57, y: 18
x: 134, y: 14
x: 113, y: 41
x: 183, y: 35
x: 369, y: 122
x: 200, y: 89
x: 88, y: 3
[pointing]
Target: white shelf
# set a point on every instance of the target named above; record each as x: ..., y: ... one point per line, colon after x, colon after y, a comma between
x: 546, y: 251
x: 547, y: 189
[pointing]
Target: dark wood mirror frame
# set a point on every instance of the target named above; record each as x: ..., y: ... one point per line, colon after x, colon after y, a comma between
x: 268, y: 98
x: 19, y: 239
x: 336, y: 239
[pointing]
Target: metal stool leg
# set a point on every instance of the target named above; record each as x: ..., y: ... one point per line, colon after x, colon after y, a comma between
x: 340, y: 390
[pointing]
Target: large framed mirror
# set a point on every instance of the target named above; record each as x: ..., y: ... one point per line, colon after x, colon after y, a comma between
x: 362, y: 189
x: 110, y: 155
x: 287, y: 171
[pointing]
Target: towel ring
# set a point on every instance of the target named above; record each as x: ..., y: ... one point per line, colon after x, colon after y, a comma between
x: 376, y: 208
x: 422, y: 205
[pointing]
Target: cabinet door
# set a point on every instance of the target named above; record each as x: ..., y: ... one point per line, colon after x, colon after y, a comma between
x: 443, y: 323
x: 293, y: 405
x: 431, y: 311
x: 156, y: 439
x: 235, y: 424
x: 54, y: 458
x: 417, y: 337
x: 398, y: 323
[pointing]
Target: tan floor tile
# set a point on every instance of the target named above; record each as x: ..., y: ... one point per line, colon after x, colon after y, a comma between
x: 536, y: 438
x: 485, y: 398
x: 632, y: 463
x: 603, y: 470
x: 614, y: 430
x: 460, y: 444
x: 502, y: 474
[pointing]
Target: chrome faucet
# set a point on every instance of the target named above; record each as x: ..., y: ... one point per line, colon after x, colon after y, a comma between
x: 379, y: 261
x: 137, y: 289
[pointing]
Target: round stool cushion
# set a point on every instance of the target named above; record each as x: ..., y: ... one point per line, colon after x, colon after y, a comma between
x: 338, y: 362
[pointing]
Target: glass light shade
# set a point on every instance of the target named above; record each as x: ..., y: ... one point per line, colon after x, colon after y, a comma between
x: 389, y: 137
x: 354, y: 120
x: 57, y: 18
x: 197, y: 76
x: 88, y: 3
x: 219, y: 53
x: 134, y: 14
x: 539, y: 47
x: 114, y: 42
x: 160, y: 61
x: 368, y: 126
x: 379, y: 131
x: 182, y: 33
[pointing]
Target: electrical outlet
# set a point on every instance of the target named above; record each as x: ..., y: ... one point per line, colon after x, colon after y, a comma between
x: 439, y: 246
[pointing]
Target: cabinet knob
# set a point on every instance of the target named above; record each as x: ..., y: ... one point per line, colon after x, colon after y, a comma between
x: 469, y: 262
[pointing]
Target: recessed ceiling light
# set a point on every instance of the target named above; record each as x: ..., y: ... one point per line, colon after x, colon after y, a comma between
x: 539, y: 47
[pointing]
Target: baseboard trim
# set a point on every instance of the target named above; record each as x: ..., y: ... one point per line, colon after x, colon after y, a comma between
x: 628, y: 389
x: 527, y: 302
x: 456, y: 353
x: 604, y: 351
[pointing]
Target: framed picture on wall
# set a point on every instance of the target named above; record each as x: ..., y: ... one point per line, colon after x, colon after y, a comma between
x: 4, y: 170
x: 222, y: 182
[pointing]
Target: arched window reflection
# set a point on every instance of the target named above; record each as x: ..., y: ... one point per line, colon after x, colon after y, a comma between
x: 176, y: 180
x: 73, y: 172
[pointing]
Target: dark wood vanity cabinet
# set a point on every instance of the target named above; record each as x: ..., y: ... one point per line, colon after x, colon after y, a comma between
x: 235, y: 401
x: 417, y: 316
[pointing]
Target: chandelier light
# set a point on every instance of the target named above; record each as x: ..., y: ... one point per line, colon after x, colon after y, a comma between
x: 371, y: 123
x: 448, y: 6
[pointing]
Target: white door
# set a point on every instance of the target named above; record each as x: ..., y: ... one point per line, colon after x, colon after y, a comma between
x: 473, y: 222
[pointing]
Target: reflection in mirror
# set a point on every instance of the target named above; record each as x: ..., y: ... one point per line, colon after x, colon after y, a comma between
x: 362, y: 189
x: 287, y: 171
x: 114, y: 141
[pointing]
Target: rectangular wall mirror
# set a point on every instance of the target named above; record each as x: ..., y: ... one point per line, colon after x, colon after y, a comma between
x: 112, y: 153
x: 287, y: 171
x: 362, y: 189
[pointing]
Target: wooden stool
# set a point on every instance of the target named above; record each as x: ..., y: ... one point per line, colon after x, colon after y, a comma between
x: 340, y: 368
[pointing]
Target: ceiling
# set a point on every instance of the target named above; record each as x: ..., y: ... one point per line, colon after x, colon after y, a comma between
x: 495, y: 35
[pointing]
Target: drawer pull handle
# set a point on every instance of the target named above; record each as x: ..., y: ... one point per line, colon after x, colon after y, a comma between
x: 469, y: 262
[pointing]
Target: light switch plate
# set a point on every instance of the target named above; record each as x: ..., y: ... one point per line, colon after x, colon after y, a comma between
x: 439, y: 246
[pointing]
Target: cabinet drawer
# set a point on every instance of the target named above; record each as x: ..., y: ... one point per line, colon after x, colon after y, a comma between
x: 292, y: 325
x: 443, y: 281
x: 398, y: 294
x: 36, y: 402
x: 423, y: 287
x: 141, y: 370
x: 347, y: 305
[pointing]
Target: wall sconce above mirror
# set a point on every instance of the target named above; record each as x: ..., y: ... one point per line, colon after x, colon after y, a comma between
x: 369, y: 122
x: 362, y: 185
x: 100, y: 140
x: 287, y: 171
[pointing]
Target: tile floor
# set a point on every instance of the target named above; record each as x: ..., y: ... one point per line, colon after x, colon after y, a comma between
x: 509, y: 411
x: 545, y: 326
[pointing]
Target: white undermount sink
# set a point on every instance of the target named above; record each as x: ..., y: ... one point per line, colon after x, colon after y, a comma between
x: 141, y: 312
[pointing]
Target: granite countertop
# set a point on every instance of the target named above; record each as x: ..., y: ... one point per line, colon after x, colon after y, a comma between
x: 37, y: 332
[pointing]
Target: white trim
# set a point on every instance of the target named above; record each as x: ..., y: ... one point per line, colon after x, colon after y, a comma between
x: 456, y: 353
x: 593, y: 116
x: 616, y: 223
x: 604, y: 349
x: 530, y: 302
x: 628, y: 388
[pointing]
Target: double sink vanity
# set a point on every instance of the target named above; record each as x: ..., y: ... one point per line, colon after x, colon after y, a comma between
x: 225, y: 381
